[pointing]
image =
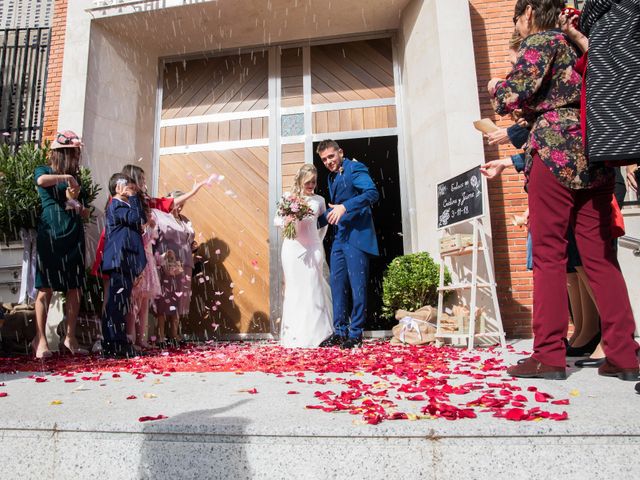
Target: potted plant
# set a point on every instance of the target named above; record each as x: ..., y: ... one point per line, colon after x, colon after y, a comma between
x: 411, y: 282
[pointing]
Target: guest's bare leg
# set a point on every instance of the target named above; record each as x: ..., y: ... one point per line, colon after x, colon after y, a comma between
x: 160, y: 318
x: 175, y: 321
x: 141, y: 326
x: 590, y: 317
x: 39, y: 343
x: 573, y: 288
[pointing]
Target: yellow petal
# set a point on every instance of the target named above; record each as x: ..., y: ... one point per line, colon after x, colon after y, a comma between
x: 574, y: 393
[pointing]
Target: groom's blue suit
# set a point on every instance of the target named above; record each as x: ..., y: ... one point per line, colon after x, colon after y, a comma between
x: 354, y: 241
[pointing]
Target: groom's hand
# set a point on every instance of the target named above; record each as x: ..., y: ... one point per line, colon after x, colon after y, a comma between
x: 334, y: 215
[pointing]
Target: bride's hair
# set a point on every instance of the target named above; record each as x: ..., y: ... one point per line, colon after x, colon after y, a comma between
x: 306, y: 173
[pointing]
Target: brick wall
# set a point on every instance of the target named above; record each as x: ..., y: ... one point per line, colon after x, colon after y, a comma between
x: 492, y: 25
x: 54, y: 72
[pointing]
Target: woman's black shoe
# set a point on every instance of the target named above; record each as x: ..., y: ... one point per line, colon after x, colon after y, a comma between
x: 638, y: 387
x: 586, y: 349
x: 590, y: 362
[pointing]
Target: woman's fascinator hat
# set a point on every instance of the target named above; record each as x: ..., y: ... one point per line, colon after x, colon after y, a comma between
x: 66, y: 139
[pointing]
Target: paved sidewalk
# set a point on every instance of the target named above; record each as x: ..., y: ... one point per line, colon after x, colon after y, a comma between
x: 235, y: 424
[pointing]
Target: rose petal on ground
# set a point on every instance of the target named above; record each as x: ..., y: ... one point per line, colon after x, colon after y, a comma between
x: 152, y: 419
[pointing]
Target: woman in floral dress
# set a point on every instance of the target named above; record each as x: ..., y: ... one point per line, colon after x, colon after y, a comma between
x: 563, y: 191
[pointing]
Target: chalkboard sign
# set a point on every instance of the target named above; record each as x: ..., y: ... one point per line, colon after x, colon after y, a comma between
x: 460, y: 198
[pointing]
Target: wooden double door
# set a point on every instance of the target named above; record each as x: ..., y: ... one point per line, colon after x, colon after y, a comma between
x: 247, y: 122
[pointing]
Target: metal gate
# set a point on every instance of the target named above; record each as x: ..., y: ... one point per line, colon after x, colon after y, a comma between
x: 24, y: 53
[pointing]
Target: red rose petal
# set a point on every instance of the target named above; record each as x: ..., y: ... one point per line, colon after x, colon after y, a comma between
x: 559, y: 416
x: 131, y: 397
x: 515, y: 414
x: 561, y: 402
x: 292, y: 392
x: 3, y: 394
x: 152, y: 419
x: 540, y: 397
x: 416, y: 398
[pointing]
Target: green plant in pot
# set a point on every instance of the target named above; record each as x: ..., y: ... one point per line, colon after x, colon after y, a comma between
x: 19, y: 202
x: 411, y: 282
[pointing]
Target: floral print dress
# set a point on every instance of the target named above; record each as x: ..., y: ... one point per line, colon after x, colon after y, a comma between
x: 545, y: 85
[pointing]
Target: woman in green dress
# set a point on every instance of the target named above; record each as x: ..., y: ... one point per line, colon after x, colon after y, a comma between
x: 60, y: 241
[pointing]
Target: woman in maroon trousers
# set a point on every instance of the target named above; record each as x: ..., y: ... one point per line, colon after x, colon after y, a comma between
x: 563, y: 190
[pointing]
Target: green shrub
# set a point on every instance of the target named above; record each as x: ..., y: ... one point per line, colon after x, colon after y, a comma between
x: 411, y: 282
x: 91, y: 189
x: 19, y: 200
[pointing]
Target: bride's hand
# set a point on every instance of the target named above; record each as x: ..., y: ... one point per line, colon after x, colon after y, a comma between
x: 333, y: 217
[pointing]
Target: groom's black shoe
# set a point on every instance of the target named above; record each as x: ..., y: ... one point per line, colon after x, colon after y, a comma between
x: 351, y: 343
x: 332, y: 341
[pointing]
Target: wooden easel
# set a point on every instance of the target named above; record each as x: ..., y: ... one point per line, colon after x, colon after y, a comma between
x: 479, y: 243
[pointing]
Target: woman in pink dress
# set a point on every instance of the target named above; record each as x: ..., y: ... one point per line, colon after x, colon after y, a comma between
x: 147, y: 288
x: 175, y: 265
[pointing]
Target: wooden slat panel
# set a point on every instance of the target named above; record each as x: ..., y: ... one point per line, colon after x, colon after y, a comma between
x: 182, y: 80
x: 292, y: 160
x: 213, y: 130
x: 345, y: 120
x: 352, y: 71
x: 291, y: 77
x: 225, y: 84
x: 237, y: 227
x: 245, y: 129
x: 354, y: 119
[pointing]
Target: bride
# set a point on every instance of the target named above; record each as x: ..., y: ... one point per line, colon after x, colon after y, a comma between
x: 306, y: 312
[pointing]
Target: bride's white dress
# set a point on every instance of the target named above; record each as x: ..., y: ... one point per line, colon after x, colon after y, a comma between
x: 307, y: 316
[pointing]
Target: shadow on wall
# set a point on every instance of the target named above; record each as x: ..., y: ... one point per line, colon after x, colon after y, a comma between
x: 516, y: 316
x: 213, y: 311
x: 198, y: 444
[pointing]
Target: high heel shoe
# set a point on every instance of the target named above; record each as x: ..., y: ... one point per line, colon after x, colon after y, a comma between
x: 586, y: 349
x: 74, y: 350
x: 44, y: 354
x: 590, y: 362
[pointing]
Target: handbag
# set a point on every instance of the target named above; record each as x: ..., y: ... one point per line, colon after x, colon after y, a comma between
x: 617, y: 220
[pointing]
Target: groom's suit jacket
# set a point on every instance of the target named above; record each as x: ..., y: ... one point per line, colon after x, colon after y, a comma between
x: 353, y: 188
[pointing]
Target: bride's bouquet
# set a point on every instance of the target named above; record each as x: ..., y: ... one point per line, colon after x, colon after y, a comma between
x: 292, y: 209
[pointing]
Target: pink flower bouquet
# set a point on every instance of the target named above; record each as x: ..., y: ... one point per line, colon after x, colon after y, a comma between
x: 292, y: 209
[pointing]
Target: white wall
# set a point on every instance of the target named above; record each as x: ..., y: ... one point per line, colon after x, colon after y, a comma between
x: 440, y: 104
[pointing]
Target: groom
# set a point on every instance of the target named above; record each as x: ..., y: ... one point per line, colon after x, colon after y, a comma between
x: 351, y: 192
